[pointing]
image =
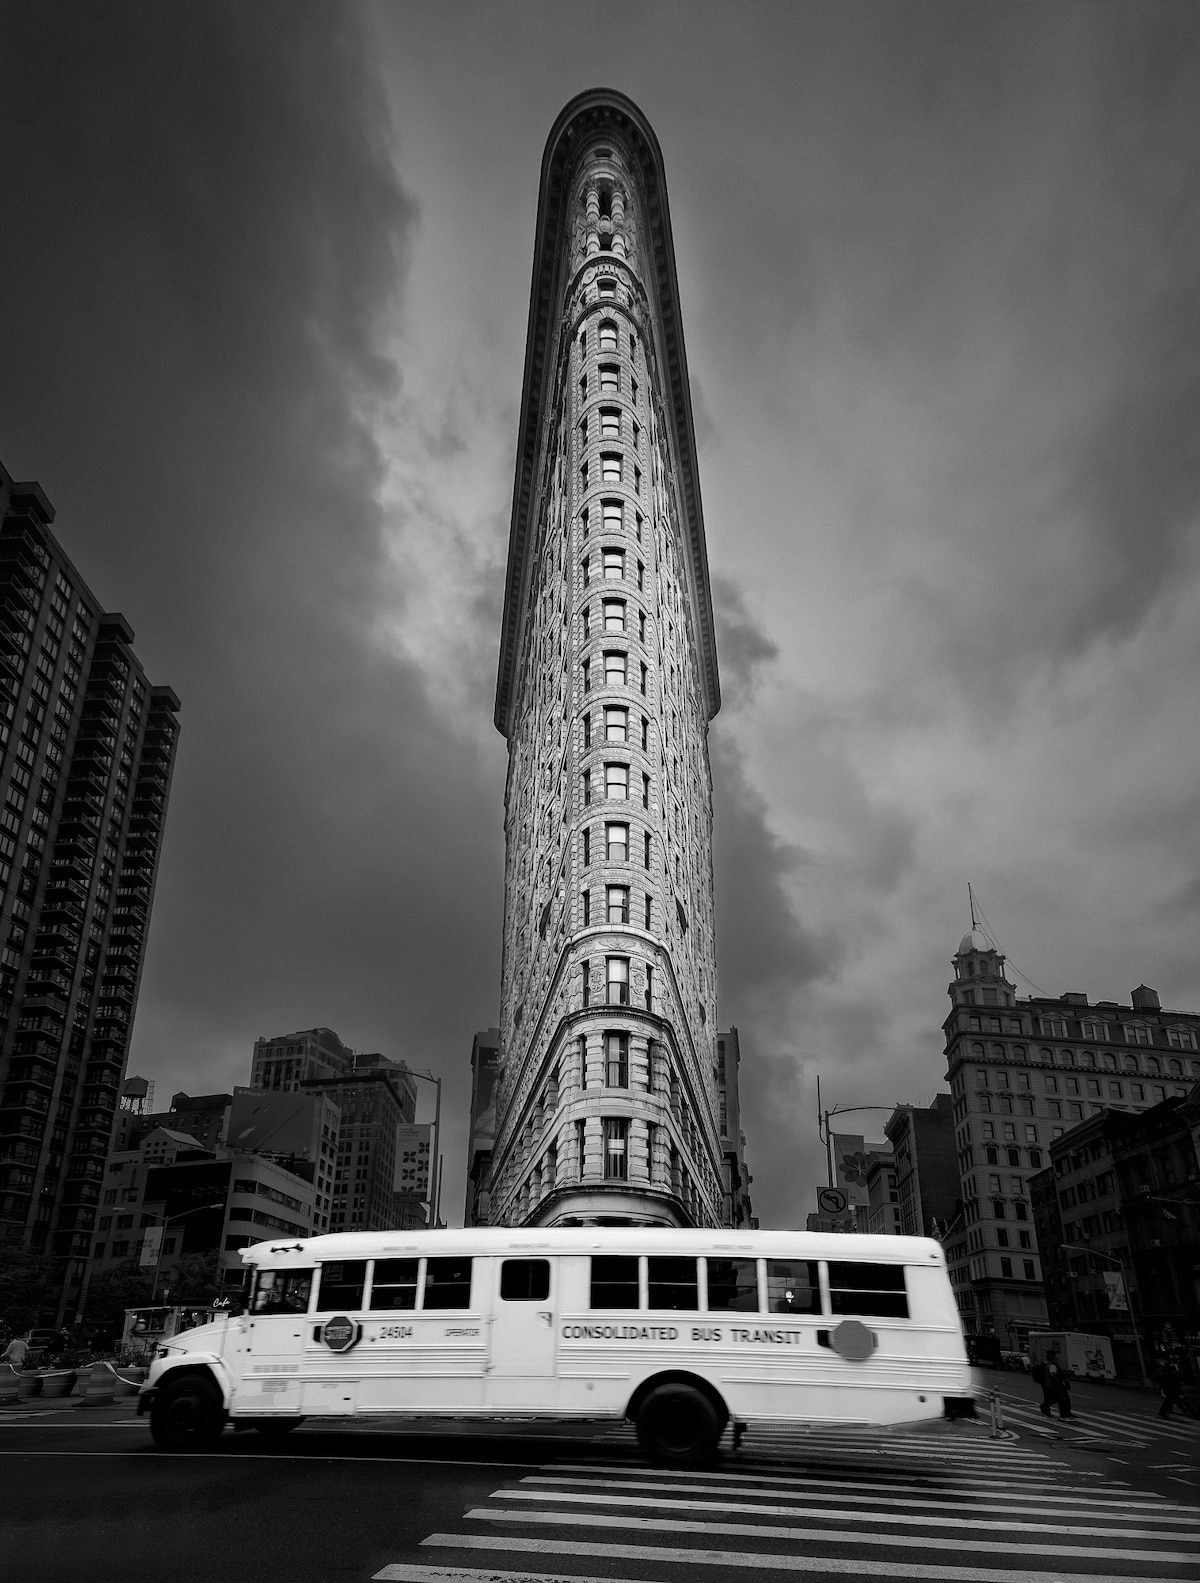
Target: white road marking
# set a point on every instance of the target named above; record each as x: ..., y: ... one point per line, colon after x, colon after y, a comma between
x: 837, y: 1493
x: 894, y: 1517
x: 732, y: 1560
x: 808, y: 1536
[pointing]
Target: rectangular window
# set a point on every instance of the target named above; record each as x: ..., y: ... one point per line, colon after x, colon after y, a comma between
x: 617, y: 980
x: 610, y: 423
x: 646, y: 850
x: 616, y: 1153
x: 524, y: 1280
x: 732, y: 1286
x: 587, y: 731
x: 608, y: 337
x: 672, y: 1283
x: 447, y: 1283
x: 868, y: 1289
x: 793, y: 1287
x: 645, y: 790
x: 610, y: 379
x: 587, y: 908
x: 645, y: 674
x: 586, y: 856
x: 618, y: 903
x: 616, y: 723
x: 586, y: 780
x: 1030, y: 1273
x: 614, y: 668
x: 616, y: 782
x: 281, y: 1291
x: 585, y: 978
x: 610, y: 467
x: 616, y: 1060
x: 641, y: 577
x: 649, y: 905
x: 617, y: 841
x: 614, y: 1281
x: 1006, y: 1268
x: 341, y: 1285
x: 394, y: 1285
x: 614, y: 615
x: 586, y: 671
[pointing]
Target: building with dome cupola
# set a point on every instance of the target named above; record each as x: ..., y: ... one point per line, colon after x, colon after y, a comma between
x: 607, y: 1097
x: 1022, y: 1073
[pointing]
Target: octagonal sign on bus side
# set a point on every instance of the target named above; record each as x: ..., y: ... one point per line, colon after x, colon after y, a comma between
x: 340, y: 1333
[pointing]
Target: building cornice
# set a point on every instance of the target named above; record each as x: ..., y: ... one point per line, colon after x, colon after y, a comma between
x: 601, y: 111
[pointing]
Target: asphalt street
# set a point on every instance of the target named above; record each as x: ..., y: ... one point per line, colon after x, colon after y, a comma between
x: 86, y: 1496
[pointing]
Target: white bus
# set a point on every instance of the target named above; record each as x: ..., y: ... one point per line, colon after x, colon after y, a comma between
x: 678, y: 1330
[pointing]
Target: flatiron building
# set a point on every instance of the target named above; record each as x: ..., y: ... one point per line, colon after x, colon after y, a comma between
x: 607, y: 1103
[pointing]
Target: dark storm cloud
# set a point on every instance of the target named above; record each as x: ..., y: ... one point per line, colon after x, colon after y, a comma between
x: 210, y: 246
x: 768, y: 957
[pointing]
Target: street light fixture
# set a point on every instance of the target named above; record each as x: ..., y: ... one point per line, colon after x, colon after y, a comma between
x: 1113, y: 1258
x: 825, y: 1116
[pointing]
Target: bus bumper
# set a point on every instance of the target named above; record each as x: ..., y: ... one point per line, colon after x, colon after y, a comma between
x: 958, y: 1407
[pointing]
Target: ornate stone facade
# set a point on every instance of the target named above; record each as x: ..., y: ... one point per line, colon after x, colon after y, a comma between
x: 606, y: 1102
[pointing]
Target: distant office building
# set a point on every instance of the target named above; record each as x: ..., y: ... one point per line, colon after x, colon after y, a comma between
x: 375, y: 1097
x: 736, y: 1209
x: 294, y: 1058
x: 926, y: 1166
x: 87, y: 747
x: 204, y: 1117
x: 1118, y: 1220
x: 485, y: 1067
x: 606, y: 1107
x: 299, y: 1131
x: 883, y: 1201
x: 1021, y: 1073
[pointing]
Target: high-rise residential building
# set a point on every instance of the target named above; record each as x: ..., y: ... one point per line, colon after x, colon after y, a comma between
x: 926, y: 1166
x: 374, y: 1097
x: 204, y: 1117
x: 485, y: 1064
x: 88, y: 747
x: 607, y: 1104
x: 1021, y: 1073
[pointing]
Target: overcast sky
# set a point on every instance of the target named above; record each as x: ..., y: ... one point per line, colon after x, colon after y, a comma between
x: 264, y: 276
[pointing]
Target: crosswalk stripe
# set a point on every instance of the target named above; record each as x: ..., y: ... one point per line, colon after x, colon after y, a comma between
x: 904, y: 1519
x: 734, y: 1560
x: 949, y: 1502
x: 809, y: 1536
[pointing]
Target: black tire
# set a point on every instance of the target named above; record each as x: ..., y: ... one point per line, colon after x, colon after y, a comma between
x: 276, y: 1428
x: 678, y: 1426
x: 187, y: 1413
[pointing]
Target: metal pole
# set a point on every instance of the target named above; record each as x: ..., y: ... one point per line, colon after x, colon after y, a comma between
x: 1137, y: 1336
x: 435, y: 1162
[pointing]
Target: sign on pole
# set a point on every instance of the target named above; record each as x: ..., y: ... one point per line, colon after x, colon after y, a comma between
x: 411, y: 1176
x: 151, y: 1247
x: 1114, y: 1286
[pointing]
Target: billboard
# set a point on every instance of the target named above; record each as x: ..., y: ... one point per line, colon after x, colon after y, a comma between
x: 151, y: 1244
x: 411, y: 1175
x: 262, y: 1122
x: 850, y: 1162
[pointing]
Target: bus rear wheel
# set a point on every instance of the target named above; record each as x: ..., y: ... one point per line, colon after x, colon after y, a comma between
x: 187, y: 1414
x: 678, y: 1426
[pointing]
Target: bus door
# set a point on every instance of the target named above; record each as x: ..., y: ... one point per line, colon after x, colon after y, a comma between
x: 272, y: 1352
x: 521, y: 1348
x: 333, y: 1356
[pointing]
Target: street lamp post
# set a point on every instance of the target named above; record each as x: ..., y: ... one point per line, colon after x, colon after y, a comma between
x: 170, y: 1221
x: 825, y: 1116
x: 1113, y: 1258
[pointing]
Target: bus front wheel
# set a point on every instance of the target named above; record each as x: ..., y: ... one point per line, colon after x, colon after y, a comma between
x: 187, y: 1413
x: 678, y: 1426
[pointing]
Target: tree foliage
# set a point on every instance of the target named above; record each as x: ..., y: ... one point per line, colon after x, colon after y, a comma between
x: 126, y: 1285
x: 28, y: 1293
x: 192, y: 1280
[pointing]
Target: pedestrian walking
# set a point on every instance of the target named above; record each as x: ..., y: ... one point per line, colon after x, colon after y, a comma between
x: 1171, y: 1381
x: 1056, y: 1391
x: 17, y: 1352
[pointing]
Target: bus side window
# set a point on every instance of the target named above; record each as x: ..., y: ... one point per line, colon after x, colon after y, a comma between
x: 672, y: 1283
x: 394, y: 1284
x: 792, y: 1287
x: 733, y: 1286
x: 342, y: 1285
x: 868, y: 1289
x: 525, y: 1280
x: 447, y: 1283
x: 614, y: 1281
x: 281, y: 1292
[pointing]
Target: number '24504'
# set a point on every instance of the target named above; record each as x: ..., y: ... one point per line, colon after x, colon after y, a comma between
x: 395, y: 1332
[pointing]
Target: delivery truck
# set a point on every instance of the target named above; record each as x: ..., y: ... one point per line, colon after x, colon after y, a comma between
x: 1083, y: 1356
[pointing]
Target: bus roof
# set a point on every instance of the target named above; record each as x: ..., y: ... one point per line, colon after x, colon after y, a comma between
x: 481, y: 1241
